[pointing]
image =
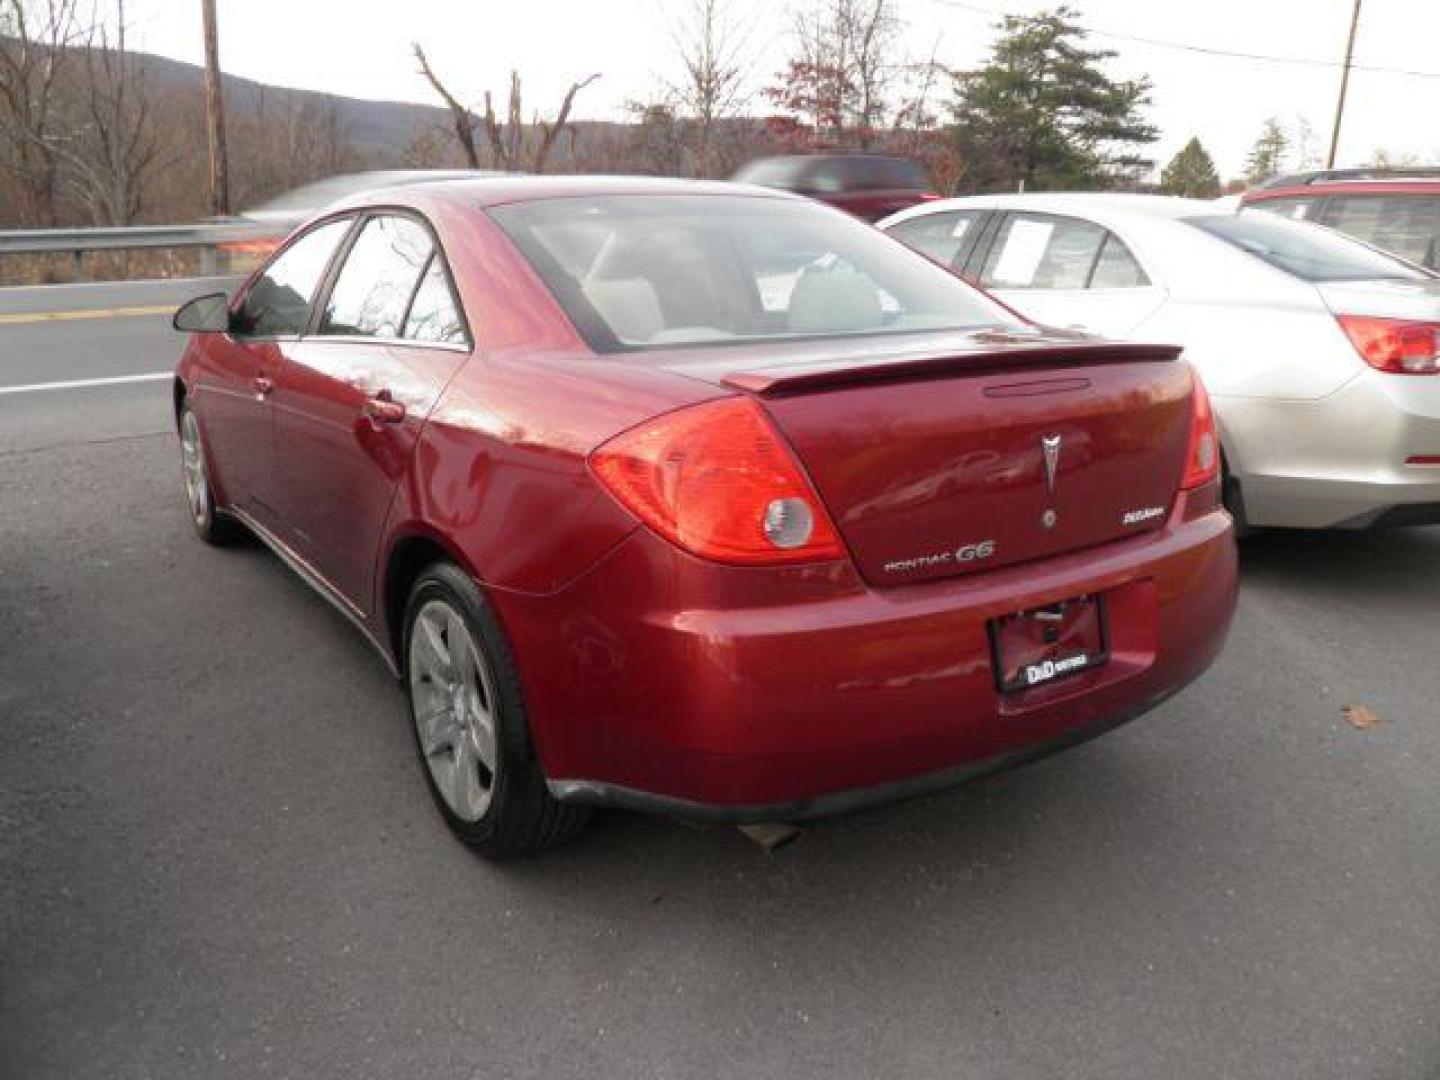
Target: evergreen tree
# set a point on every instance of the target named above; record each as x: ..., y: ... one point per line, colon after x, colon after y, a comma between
x: 1043, y: 114
x: 1267, y: 156
x: 1191, y: 173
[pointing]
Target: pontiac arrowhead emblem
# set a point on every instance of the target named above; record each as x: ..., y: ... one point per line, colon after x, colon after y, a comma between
x: 1050, y: 445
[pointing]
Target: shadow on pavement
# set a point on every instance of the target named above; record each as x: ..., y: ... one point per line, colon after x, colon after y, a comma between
x: 1398, y: 561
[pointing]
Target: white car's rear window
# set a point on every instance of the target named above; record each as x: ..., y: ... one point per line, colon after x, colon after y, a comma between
x: 1307, y: 251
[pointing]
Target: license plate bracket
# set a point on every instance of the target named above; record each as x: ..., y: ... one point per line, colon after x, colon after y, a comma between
x: 1041, y: 645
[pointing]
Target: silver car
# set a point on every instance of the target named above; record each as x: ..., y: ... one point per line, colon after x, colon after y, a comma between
x: 1321, y: 354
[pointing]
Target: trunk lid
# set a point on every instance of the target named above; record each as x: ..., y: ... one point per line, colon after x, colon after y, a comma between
x: 1384, y: 299
x: 1000, y: 448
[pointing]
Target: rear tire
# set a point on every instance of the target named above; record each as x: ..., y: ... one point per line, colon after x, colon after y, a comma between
x: 210, y: 524
x: 1233, y: 499
x: 471, y: 730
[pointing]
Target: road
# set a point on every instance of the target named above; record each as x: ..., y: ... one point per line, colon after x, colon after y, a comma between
x: 217, y: 858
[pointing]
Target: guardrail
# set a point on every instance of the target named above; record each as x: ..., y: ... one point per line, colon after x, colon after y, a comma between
x: 207, y: 236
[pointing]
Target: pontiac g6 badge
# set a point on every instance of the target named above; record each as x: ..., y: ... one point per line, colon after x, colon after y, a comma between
x: 965, y: 553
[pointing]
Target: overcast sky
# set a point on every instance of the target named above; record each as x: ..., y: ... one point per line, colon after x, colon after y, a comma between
x: 361, y: 48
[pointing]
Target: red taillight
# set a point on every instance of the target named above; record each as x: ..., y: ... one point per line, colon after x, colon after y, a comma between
x: 929, y: 196
x: 1202, y: 456
x: 715, y: 479
x: 1399, y: 346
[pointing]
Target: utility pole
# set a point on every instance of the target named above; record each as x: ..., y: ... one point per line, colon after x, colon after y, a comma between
x: 1344, y: 86
x: 215, y: 115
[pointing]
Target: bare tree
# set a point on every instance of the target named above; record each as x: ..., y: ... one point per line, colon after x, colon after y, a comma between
x: 35, y: 36
x: 710, y: 48
x: 113, y: 145
x: 461, y: 117
x: 839, y: 72
x: 509, y: 146
x: 868, y: 29
x: 550, y: 130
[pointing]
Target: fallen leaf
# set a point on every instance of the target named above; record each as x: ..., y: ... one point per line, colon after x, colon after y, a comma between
x: 1360, y: 717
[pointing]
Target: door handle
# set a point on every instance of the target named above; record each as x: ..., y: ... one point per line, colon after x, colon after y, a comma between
x: 383, y: 409
x: 262, y: 386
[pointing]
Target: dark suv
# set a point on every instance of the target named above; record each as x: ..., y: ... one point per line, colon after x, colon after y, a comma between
x: 870, y: 186
x: 1394, y: 209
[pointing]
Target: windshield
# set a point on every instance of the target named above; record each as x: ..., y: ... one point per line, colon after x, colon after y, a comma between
x: 637, y: 272
x: 1308, y: 251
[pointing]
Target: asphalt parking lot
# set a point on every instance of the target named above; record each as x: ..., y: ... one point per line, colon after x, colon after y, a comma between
x: 218, y: 859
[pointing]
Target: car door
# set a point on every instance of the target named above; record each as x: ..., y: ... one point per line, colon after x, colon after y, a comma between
x: 241, y: 366
x: 1069, y: 272
x: 353, y: 394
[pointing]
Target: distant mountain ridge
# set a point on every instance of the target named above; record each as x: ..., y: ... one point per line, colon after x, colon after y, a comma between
x: 380, y: 128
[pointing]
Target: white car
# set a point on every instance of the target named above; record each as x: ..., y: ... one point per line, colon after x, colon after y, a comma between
x: 1321, y: 353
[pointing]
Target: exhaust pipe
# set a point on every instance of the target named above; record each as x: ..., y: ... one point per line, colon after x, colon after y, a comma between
x: 771, y: 835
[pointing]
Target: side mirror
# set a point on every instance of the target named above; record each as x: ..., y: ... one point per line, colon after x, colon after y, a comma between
x: 204, y: 315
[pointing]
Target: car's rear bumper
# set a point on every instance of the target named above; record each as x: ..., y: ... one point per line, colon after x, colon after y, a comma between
x: 1340, y: 461
x: 664, y: 683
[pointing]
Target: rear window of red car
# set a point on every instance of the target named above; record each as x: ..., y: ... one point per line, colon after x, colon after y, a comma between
x: 636, y: 272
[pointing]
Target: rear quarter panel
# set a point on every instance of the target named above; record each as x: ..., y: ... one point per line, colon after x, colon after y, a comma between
x: 499, y: 474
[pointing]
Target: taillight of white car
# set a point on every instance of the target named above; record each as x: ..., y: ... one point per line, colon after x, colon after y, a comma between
x: 1398, y: 346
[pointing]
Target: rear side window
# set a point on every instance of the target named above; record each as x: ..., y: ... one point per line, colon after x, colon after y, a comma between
x: 878, y: 173
x: 278, y: 303
x: 1043, y: 251
x: 1306, y: 251
x: 940, y: 235
x: 1116, y: 268
x: 1408, y: 225
x: 373, y: 290
x: 433, y: 313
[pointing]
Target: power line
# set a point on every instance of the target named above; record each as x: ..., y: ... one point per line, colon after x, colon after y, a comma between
x: 1205, y: 50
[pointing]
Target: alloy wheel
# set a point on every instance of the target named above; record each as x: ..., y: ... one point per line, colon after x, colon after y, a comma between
x: 453, y: 702
x: 192, y: 459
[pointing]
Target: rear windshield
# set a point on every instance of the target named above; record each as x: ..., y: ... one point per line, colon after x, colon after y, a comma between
x: 636, y: 272
x: 1307, y: 251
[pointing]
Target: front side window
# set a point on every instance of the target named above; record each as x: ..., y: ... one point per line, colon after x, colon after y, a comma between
x: 646, y: 271
x: 770, y: 172
x: 1308, y: 252
x: 1408, y: 225
x: 278, y: 303
x: 940, y: 235
x: 373, y: 289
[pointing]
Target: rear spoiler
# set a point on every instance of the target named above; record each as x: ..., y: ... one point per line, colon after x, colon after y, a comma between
x: 825, y: 374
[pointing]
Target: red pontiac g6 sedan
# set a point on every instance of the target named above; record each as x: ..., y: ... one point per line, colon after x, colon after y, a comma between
x: 702, y: 499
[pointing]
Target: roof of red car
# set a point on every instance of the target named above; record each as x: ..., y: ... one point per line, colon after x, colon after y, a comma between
x: 1351, y: 187
x: 493, y: 191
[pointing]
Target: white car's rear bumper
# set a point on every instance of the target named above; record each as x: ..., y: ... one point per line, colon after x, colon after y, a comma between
x: 1339, y: 461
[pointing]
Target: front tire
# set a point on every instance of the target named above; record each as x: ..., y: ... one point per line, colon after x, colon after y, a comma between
x: 209, y: 523
x: 471, y: 730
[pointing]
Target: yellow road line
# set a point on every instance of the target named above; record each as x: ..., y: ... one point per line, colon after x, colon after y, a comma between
x: 93, y: 313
